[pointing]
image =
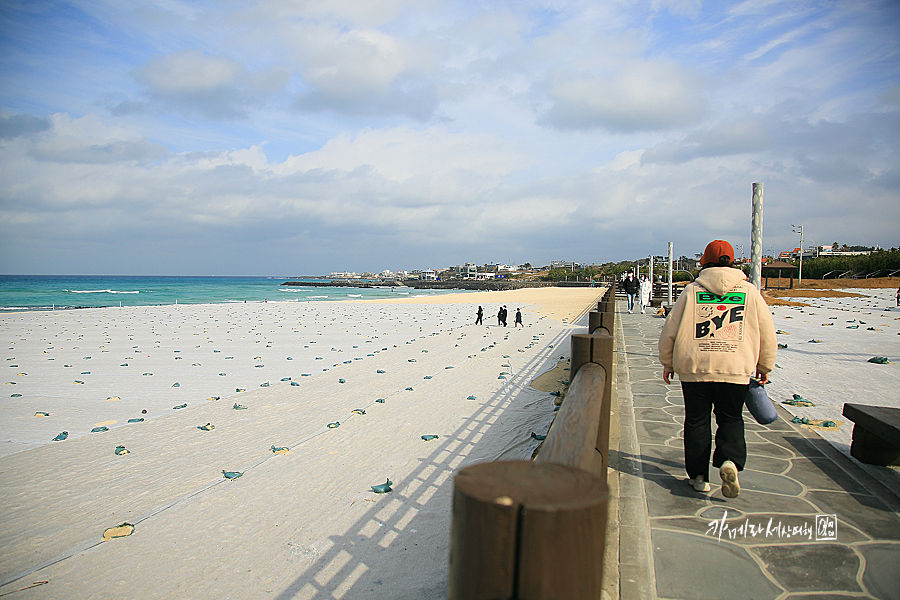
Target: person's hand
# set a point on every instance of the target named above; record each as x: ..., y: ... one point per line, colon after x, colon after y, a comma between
x: 667, y: 376
x: 763, y: 378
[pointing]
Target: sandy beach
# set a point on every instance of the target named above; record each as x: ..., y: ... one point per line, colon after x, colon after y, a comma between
x: 302, y: 522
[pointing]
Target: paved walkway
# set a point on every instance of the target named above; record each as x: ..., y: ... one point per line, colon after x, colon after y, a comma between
x: 809, y: 522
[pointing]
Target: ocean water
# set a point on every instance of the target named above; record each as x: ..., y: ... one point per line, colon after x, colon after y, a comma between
x: 47, y: 292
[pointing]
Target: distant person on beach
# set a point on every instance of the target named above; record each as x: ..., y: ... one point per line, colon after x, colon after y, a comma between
x: 719, y: 333
x: 632, y: 286
x: 478, y: 316
x: 505, y: 313
x: 500, y: 316
x: 518, y: 318
x: 645, y: 292
x: 898, y: 296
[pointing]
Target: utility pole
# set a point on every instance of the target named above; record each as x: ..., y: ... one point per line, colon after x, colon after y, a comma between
x: 799, y: 229
x: 670, y: 273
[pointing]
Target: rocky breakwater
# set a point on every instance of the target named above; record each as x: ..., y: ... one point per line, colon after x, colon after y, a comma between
x: 352, y: 283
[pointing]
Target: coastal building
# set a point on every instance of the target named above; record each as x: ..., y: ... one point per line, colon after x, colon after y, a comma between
x: 466, y: 271
x: 561, y: 264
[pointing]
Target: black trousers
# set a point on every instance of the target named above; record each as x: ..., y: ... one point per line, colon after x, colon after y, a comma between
x: 727, y: 401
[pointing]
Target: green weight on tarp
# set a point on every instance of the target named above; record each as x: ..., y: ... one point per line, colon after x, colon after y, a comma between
x: 138, y: 420
x: 828, y: 424
x: 334, y: 425
x: 239, y: 406
x: 801, y: 420
x: 409, y: 389
x: 294, y: 383
x: 881, y: 360
x: 15, y: 395
x: 382, y: 371
x: 782, y: 346
x: 429, y: 437
x: 554, y: 393
x: 179, y: 406
x: 99, y: 429
x: 281, y: 449
x: 814, y: 341
x: 341, y: 381
x: 207, y: 427
x: 61, y: 436
x: 176, y: 384
x: 471, y: 398
x: 798, y: 400
x: 120, y: 450
x: 285, y: 378
x: 231, y: 474
x: 266, y: 384
x: 380, y: 400
x: 358, y: 411
x: 538, y: 436
x: 383, y: 488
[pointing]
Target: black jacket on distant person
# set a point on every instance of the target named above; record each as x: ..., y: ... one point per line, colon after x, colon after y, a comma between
x: 631, y: 285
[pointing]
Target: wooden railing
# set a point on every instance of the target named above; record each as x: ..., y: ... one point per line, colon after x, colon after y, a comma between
x: 537, y: 530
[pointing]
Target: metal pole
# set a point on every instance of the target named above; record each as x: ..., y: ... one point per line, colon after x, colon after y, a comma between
x: 756, y: 236
x: 651, y: 276
x: 670, y: 273
x: 800, y: 274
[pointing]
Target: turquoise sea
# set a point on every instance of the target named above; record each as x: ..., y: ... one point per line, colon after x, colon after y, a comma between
x: 47, y: 292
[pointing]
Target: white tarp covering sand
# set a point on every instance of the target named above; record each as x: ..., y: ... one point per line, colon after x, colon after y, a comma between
x: 834, y: 369
x: 305, y: 524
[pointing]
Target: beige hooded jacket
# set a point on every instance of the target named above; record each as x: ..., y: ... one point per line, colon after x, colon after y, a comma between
x: 720, y: 329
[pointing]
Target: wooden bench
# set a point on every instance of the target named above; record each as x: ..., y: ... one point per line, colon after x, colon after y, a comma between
x: 876, y: 434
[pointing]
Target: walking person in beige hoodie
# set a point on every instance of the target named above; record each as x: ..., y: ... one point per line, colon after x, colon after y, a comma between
x: 718, y: 335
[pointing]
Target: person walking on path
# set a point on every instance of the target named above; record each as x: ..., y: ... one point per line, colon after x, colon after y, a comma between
x: 500, y: 316
x: 632, y: 286
x: 478, y: 316
x: 505, y: 313
x: 518, y: 318
x: 645, y: 293
x: 719, y: 333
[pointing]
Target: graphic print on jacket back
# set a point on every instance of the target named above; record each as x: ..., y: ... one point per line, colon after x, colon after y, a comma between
x: 719, y: 321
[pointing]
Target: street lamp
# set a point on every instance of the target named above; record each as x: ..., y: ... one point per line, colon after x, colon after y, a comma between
x: 799, y: 229
x: 741, y: 247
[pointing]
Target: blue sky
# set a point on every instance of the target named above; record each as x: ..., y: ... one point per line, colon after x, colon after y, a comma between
x: 279, y: 137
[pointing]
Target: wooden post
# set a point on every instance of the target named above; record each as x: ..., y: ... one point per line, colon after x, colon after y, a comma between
x: 601, y: 322
x: 527, y: 531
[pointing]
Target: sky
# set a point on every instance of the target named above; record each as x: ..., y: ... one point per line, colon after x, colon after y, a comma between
x: 276, y: 137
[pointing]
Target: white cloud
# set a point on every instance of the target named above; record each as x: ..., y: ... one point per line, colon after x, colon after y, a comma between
x: 215, y: 86
x: 639, y: 96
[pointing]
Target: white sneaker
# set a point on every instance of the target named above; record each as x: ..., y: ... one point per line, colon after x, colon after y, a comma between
x: 731, y: 487
x: 698, y: 484
x: 642, y: 311
x: 630, y: 311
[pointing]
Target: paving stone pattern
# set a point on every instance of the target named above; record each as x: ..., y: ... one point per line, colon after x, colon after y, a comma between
x: 776, y: 540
